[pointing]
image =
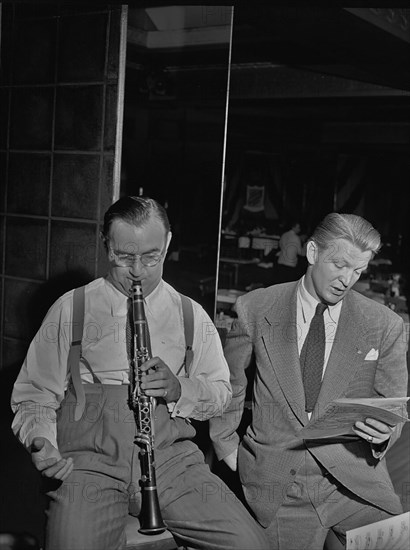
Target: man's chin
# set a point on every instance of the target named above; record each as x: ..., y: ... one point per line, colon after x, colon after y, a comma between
x: 332, y: 298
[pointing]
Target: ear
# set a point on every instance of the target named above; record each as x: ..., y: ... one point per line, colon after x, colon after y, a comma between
x: 104, y: 240
x: 312, y: 252
x: 169, y: 237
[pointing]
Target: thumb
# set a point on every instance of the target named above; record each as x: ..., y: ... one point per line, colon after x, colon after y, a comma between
x: 37, y: 444
x: 232, y: 460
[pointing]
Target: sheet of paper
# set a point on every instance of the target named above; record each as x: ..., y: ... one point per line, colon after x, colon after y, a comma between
x: 340, y: 415
x: 389, y: 534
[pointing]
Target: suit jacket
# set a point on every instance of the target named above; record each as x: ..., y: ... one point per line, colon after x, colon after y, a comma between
x: 271, y: 451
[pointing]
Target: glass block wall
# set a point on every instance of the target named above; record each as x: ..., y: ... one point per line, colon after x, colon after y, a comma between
x: 60, y: 76
x: 59, y: 92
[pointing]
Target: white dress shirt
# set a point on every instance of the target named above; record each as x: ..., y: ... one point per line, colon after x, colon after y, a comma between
x: 43, y: 379
x: 290, y: 247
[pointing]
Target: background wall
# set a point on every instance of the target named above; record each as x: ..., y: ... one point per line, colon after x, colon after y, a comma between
x: 174, y: 129
x: 58, y: 96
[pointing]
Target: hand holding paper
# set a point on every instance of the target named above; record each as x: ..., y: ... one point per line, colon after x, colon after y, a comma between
x: 373, y: 431
x: 340, y: 416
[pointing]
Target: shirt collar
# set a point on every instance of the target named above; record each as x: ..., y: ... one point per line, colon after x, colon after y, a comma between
x: 119, y: 302
x: 308, y: 304
x: 153, y: 300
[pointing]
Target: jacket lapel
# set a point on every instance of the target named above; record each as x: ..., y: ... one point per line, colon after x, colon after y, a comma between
x: 346, y: 355
x: 283, y: 351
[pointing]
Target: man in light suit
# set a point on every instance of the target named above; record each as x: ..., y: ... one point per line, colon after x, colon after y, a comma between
x: 300, y: 489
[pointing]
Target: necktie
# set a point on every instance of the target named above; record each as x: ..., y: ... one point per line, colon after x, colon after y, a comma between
x: 312, y: 357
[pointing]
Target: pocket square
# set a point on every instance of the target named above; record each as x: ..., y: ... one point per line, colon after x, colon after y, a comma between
x: 372, y: 355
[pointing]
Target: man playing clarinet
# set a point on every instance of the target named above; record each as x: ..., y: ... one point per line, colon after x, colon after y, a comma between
x: 80, y: 430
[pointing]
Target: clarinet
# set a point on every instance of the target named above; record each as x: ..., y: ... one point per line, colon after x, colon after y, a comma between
x: 151, y: 522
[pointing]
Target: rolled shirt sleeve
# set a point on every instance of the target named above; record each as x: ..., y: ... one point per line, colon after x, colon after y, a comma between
x: 206, y: 391
x: 41, y: 383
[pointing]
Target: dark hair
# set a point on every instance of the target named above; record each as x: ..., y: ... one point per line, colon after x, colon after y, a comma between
x: 292, y: 222
x: 135, y: 210
x: 350, y: 227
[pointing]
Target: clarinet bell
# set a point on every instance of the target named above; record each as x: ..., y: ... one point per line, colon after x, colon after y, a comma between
x: 150, y: 518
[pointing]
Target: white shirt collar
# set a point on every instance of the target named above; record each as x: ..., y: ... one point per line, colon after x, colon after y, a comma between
x: 308, y: 304
x: 153, y: 300
x: 117, y: 299
x: 119, y: 302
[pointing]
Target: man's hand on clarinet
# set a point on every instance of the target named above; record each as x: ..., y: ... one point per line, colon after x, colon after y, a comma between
x: 158, y: 380
x: 47, y: 459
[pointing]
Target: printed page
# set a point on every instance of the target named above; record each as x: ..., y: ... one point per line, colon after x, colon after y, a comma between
x: 389, y: 534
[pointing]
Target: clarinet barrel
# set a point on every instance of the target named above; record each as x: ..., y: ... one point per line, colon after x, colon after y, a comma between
x: 143, y: 407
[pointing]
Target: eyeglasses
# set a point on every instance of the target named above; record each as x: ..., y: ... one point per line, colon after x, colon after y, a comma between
x: 124, y: 259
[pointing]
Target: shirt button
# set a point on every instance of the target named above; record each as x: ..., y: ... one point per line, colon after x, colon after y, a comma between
x: 178, y: 411
x: 293, y: 472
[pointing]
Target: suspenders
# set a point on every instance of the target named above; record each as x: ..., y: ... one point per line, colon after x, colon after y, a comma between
x: 74, y: 354
x: 188, y: 318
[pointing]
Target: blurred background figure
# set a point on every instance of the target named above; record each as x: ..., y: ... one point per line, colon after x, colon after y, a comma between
x: 291, y: 251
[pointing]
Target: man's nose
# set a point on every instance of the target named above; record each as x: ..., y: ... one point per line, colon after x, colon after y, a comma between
x: 137, y: 266
x: 346, y: 276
